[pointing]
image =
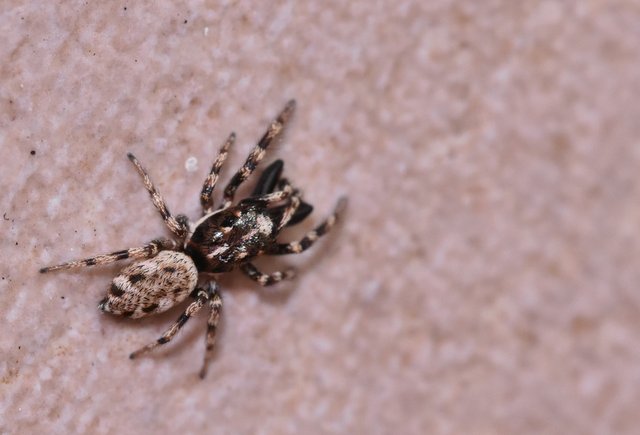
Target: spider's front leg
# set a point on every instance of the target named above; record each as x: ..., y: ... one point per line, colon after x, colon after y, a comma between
x: 257, y: 154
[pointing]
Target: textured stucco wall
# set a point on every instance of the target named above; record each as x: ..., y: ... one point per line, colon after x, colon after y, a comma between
x: 485, y: 279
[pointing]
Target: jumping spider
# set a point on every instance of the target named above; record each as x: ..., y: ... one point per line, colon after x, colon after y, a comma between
x: 166, y: 271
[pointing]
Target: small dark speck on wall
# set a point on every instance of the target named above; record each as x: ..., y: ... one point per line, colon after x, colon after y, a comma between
x: 185, y: 21
x: 33, y: 152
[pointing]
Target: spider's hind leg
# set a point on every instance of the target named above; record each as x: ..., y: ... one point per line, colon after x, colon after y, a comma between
x: 215, y: 306
x: 145, y: 251
x: 201, y: 298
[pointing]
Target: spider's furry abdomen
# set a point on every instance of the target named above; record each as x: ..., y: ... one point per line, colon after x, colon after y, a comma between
x: 231, y: 236
x: 151, y: 286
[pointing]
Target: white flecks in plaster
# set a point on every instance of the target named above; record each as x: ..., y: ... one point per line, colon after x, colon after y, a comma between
x: 206, y: 31
x: 191, y: 164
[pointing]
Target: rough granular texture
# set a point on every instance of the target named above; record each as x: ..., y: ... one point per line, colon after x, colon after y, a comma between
x: 484, y: 280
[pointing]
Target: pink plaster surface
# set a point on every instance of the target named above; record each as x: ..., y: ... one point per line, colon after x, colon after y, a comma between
x: 485, y: 279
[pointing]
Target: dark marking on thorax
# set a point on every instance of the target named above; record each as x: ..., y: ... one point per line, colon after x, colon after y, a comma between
x: 231, y: 236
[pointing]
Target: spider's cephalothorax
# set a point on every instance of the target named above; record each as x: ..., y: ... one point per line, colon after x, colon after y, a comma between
x: 167, y: 271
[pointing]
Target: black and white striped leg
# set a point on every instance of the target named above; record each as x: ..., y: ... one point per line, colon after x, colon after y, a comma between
x: 149, y: 250
x: 257, y: 154
x: 296, y: 211
x: 311, y: 236
x: 176, y: 226
x: 285, y: 190
x: 266, y: 279
x: 201, y: 299
x: 215, y: 306
x: 212, y: 178
x: 289, y: 211
x: 270, y: 199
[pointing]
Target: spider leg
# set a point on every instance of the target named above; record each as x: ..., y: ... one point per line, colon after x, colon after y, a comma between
x: 271, y: 198
x: 269, y: 180
x: 212, y: 178
x: 145, y: 251
x: 283, y: 213
x: 266, y: 279
x: 296, y: 211
x: 177, y: 226
x: 215, y: 306
x: 195, y: 306
x: 300, y: 214
x: 293, y: 205
x: 311, y: 236
x: 289, y: 211
x: 257, y: 154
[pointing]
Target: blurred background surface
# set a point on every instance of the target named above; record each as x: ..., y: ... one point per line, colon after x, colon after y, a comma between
x: 484, y: 280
